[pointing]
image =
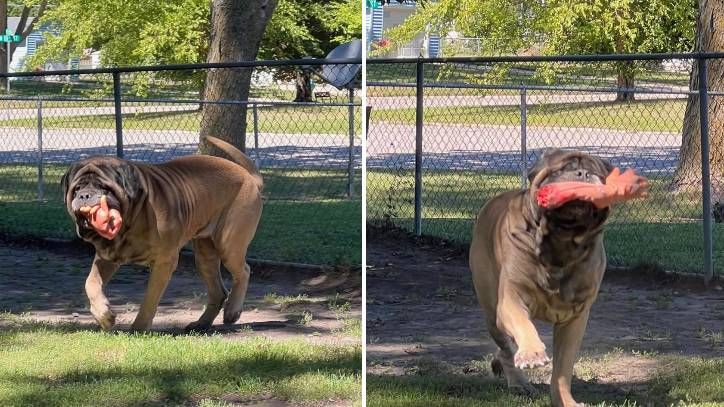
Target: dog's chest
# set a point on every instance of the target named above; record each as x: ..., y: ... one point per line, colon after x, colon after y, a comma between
x: 125, y: 252
x: 563, y: 294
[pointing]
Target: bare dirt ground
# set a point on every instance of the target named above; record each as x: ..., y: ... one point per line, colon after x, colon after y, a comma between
x: 47, y: 284
x: 422, y: 315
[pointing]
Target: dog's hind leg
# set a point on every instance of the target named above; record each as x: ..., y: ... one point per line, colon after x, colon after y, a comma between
x: 232, y: 242
x: 240, y: 273
x: 208, y: 266
x: 503, y: 365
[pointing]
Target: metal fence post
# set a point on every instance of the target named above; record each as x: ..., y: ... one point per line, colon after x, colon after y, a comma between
x: 418, y: 149
x: 41, y: 180
x: 350, y: 152
x: 256, y: 134
x: 705, y: 174
x: 117, y: 111
x: 523, y: 137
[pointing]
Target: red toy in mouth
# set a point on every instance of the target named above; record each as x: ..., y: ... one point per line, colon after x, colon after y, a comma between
x: 106, y: 221
x: 618, y: 188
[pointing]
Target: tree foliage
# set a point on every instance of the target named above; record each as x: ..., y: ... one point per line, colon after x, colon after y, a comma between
x: 618, y: 26
x: 503, y: 26
x: 137, y: 32
x: 561, y: 26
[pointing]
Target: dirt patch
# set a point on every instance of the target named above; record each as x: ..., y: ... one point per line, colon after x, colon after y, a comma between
x: 46, y: 283
x: 423, y: 317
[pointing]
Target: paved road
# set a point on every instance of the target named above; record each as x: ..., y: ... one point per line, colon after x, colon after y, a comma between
x: 498, y: 148
x: 510, y: 99
x: 19, y: 145
x: 101, y: 108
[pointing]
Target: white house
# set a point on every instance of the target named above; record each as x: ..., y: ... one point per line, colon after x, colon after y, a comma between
x: 29, y: 45
x: 392, y: 13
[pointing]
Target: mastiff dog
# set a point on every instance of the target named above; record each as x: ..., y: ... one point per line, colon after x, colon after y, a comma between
x: 144, y: 214
x: 531, y: 263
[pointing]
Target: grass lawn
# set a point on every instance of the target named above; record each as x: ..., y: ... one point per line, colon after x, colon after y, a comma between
x: 278, y: 119
x: 66, y: 365
x: 306, y: 218
x: 663, y: 230
x: 679, y: 380
x: 659, y: 115
x: 100, y: 86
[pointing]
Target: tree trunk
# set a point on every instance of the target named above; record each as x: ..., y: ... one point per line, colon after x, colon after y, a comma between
x: 23, y: 29
x: 625, y: 80
x: 710, y: 38
x: 237, y: 27
x: 304, y: 87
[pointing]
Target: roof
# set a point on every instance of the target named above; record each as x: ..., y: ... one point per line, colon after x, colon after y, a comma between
x: 14, y: 21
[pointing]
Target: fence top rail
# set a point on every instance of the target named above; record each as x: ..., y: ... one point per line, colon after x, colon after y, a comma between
x: 550, y: 58
x: 258, y: 103
x: 184, y: 67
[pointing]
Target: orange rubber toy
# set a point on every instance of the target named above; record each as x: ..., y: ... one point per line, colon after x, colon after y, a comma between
x: 618, y: 188
x: 107, y: 222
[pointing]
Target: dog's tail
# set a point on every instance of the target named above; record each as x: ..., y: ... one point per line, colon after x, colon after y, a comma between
x: 238, y: 157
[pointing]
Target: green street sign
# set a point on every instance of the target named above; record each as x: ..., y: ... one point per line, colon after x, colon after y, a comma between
x: 373, y: 4
x: 10, y: 38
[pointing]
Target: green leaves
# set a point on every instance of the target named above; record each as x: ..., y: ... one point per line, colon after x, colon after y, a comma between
x: 561, y: 26
x: 143, y: 32
x: 618, y: 26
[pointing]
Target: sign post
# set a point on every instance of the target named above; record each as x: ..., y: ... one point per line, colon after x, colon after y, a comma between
x: 8, y: 38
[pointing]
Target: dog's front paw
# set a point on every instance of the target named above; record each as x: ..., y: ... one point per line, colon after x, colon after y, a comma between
x: 105, y: 317
x: 571, y: 403
x: 525, y: 359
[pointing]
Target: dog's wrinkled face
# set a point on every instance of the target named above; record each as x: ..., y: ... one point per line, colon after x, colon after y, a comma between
x: 564, y: 166
x: 88, y: 180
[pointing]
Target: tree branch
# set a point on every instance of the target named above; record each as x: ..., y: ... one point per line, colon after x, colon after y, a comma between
x: 24, y: 17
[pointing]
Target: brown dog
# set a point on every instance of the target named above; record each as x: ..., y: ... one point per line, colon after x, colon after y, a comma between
x: 214, y: 202
x: 533, y: 263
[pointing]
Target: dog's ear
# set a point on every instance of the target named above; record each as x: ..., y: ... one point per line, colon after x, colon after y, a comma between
x: 605, y: 167
x: 544, y: 161
x: 127, y: 177
x: 67, y: 177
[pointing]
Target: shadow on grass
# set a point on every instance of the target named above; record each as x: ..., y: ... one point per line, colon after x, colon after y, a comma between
x: 248, y: 369
x: 290, y: 155
x: 461, y: 390
x: 647, y: 160
x: 677, y: 379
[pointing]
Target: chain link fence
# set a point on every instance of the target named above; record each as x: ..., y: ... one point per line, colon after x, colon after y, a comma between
x: 446, y: 135
x: 303, y: 133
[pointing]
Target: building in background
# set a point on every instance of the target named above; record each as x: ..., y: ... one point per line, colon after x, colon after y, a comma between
x: 29, y: 46
x: 381, y: 15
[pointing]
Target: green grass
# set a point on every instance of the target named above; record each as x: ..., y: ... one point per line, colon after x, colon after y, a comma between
x: 101, y: 86
x: 306, y: 217
x: 660, y: 115
x: 680, y: 381
x: 281, y: 119
x: 65, y: 365
x: 662, y: 230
